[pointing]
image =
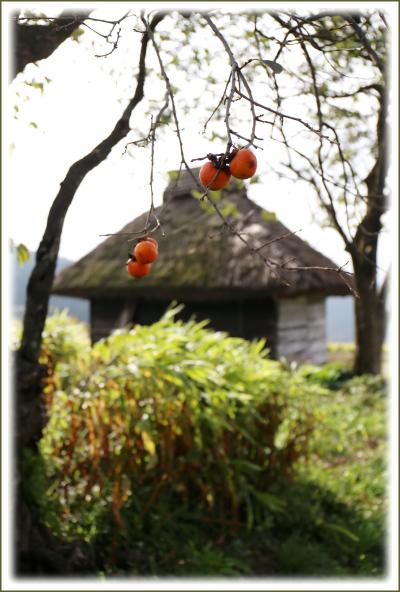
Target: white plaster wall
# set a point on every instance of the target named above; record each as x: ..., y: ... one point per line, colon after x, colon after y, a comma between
x: 301, y: 330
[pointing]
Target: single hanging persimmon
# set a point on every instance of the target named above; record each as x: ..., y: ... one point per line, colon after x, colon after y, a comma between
x: 146, y: 251
x: 243, y: 164
x: 137, y: 269
x: 213, y: 178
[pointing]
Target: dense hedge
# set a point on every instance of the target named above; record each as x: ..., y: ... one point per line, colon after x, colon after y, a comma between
x: 162, y: 417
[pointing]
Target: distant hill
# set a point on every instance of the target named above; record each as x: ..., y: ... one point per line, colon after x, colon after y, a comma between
x: 20, y: 275
x: 339, y: 310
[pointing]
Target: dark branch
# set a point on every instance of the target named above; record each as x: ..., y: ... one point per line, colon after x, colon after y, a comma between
x: 37, y: 42
x: 364, y: 40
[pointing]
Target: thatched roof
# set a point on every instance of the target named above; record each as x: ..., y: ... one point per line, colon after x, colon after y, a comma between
x: 199, y: 259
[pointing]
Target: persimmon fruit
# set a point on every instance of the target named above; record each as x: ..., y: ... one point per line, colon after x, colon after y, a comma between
x: 152, y: 240
x: 146, y: 251
x: 137, y: 269
x: 243, y: 164
x: 213, y: 178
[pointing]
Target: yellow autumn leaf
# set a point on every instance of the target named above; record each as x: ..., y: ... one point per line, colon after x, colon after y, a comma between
x: 148, y: 443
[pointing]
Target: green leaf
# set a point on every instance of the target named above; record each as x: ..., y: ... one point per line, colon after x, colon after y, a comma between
x: 22, y: 254
x: 197, y: 194
x: 238, y: 183
x: 247, y: 466
x: 275, y: 67
x: 268, y: 216
x: 206, y: 206
x: 272, y: 502
x: 37, y: 85
x: 230, y: 209
x: 173, y: 174
x: 342, y: 530
x: 33, y: 124
x: 76, y: 34
x: 216, y: 136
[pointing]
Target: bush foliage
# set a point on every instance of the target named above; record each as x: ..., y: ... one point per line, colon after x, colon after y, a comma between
x: 172, y: 449
x: 165, y: 416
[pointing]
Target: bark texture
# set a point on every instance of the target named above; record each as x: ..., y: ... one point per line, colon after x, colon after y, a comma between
x: 37, y: 42
x: 370, y: 307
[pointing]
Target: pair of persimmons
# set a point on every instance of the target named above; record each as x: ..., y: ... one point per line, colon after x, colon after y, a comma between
x: 213, y: 175
x: 139, y: 263
x: 216, y: 173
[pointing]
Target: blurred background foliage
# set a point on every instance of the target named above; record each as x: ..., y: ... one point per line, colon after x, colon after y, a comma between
x: 175, y: 450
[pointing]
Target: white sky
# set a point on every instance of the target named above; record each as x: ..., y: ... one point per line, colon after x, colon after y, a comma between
x: 77, y: 109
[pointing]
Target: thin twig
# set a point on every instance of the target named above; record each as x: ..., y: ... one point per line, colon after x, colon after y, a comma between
x: 235, y: 72
x: 285, y: 115
x: 218, y: 105
x: 277, y: 239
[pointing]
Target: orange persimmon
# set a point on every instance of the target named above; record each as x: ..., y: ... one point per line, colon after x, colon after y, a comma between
x: 152, y: 240
x: 244, y: 164
x: 146, y: 251
x: 137, y: 269
x: 213, y: 178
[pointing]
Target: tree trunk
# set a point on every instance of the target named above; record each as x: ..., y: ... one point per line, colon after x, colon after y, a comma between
x: 370, y: 306
x: 369, y: 309
x: 37, y: 549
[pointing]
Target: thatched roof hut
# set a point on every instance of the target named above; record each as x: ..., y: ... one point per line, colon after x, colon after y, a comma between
x: 202, y: 264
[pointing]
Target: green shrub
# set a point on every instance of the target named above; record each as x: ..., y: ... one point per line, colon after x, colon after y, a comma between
x: 65, y: 338
x: 297, y: 555
x: 332, y: 376
x: 172, y: 434
x: 168, y: 419
x: 208, y: 560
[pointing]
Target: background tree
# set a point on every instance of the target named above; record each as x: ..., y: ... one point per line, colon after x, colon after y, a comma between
x: 344, y: 71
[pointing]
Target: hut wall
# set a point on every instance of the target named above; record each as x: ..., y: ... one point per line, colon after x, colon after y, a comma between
x: 259, y: 320
x: 301, y: 332
x: 250, y: 319
x: 107, y: 315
